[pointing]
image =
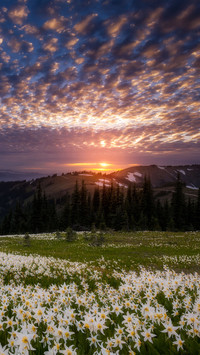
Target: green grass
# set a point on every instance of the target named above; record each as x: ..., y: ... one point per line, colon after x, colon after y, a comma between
x: 130, y: 249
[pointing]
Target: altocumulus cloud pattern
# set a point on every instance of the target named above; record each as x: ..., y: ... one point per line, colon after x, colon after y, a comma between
x: 108, y: 75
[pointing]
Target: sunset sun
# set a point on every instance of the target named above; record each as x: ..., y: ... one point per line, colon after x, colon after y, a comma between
x: 104, y: 165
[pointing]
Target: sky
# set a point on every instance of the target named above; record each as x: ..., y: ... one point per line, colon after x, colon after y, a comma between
x: 99, y: 84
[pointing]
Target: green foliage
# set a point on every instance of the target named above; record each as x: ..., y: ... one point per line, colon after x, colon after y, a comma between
x: 178, y: 205
x: 70, y: 235
x: 58, y: 235
x: 96, y: 238
x: 27, y: 240
x: 113, y: 207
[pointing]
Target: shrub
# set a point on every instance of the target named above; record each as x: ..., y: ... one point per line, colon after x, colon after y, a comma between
x: 58, y: 235
x: 97, y: 239
x: 27, y: 238
x: 71, y: 235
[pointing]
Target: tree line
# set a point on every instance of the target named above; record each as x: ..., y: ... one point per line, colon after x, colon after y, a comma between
x: 111, y: 207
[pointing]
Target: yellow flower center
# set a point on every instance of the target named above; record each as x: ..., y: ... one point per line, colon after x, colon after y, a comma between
x: 25, y: 340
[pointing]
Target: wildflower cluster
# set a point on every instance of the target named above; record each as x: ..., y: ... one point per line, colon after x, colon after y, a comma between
x: 79, y: 313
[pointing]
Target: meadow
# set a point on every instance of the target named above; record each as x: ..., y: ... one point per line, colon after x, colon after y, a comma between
x: 136, y: 293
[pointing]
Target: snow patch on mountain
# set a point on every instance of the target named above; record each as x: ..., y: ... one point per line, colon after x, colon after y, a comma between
x: 121, y: 185
x: 161, y: 167
x: 104, y: 180
x: 131, y: 177
x: 86, y: 174
x: 137, y: 174
x: 181, y: 171
x: 99, y: 183
x: 191, y: 186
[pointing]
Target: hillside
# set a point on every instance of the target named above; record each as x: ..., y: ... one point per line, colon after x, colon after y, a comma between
x: 55, y: 187
x: 161, y: 176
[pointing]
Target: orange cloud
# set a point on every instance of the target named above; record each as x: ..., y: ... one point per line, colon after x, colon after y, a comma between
x: 55, y: 24
x: 51, y: 45
x: 114, y: 27
x: 18, y: 14
x: 81, y: 27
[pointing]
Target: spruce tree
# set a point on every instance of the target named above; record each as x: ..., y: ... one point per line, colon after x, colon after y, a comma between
x: 83, y: 205
x: 197, y: 213
x: 75, y: 206
x: 147, y: 205
x: 18, y: 224
x: 178, y: 205
x: 65, y: 217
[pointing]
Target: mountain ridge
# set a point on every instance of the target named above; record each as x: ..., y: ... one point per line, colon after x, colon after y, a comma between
x: 160, y: 175
x: 163, y: 179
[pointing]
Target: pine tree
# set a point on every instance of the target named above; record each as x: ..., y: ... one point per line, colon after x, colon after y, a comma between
x: 65, y: 217
x: 148, y: 205
x: 18, y: 224
x: 167, y: 217
x: 83, y: 205
x: 121, y: 217
x: 128, y: 206
x: 190, y: 215
x: 6, y: 223
x: 135, y: 208
x: 75, y: 206
x: 36, y: 222
x: 96, y: 200
x: 105, y: 204
x: 160, y: 216
x: 178, y: 205
x: 112, y: 202
x: 197, y: 213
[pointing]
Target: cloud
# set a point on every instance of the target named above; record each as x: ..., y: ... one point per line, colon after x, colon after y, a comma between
x: 18, y: 14
x: 55, y: 24
x: 31, y: 30
x: 17, y: 45
x: 54, y: 149
x: 126, y: 75
x: 114, y: 27
x: 51, y: 45
x: 72, y: 42
x: 84, y: 26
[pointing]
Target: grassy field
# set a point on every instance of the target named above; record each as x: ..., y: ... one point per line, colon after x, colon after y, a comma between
x: 131, y: 295
x: 130, y: 249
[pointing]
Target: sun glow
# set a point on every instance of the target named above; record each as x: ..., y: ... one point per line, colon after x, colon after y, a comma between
x: 104, y: 165
x: 96, y: 166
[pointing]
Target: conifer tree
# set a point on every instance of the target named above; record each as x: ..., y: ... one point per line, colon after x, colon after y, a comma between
x: 135, y: 208
x: 178, y: 205
x: 147, y: 204
x: 105, y: 204
x: 197, y: 213
x: 65, y: 219
x: 75, y: 206
x: 96, y: 204
x: 18, y: 224
x: 6, y: 223
x: 128, y: 206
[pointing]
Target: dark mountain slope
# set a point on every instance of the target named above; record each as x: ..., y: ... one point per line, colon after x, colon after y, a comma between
x: 163, y: 179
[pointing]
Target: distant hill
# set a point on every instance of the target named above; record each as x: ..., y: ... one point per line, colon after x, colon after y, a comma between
x: 163, y: 179
x: 10, y: 175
